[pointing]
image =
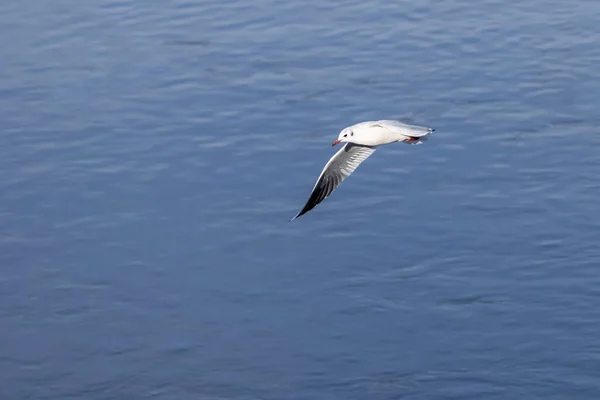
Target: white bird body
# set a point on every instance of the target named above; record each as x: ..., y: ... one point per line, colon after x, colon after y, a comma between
x: 361, y: 141
x: 377, y: 133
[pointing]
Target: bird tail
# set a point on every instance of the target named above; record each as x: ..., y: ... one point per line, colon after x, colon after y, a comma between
x: 419, y: 136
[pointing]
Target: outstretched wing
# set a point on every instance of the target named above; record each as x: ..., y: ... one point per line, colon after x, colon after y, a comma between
x: 339, y: 167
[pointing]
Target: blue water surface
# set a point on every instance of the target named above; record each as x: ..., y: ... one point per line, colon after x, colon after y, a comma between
x: 152, y: 153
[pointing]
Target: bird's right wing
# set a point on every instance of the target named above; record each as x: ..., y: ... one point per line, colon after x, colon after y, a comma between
x: 421, y: 133
x: 338, y: 168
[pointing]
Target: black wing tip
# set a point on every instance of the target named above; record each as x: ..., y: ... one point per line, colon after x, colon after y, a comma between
x: 301, y: 213
x: 316, y: 197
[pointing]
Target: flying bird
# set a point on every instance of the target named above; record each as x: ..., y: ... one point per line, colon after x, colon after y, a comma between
x: 361, y: 141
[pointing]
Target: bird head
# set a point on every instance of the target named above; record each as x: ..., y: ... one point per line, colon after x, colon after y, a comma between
x: 345, y: 136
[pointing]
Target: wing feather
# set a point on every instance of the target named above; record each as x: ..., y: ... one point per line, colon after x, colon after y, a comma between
x: 411, y: 131
x: 339, y: 167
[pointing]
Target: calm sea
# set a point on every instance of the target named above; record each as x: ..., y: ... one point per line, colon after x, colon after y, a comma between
x: 152, y: 153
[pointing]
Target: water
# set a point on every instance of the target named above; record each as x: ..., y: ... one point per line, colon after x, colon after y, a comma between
x: 153, y: 152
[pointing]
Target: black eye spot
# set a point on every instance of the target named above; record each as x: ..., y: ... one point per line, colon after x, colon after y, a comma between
x: 346, y: 135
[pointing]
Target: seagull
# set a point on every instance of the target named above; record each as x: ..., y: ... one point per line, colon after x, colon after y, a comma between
x: 361, y: 141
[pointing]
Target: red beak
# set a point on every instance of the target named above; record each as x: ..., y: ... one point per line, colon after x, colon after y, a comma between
x: 335, y: 142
